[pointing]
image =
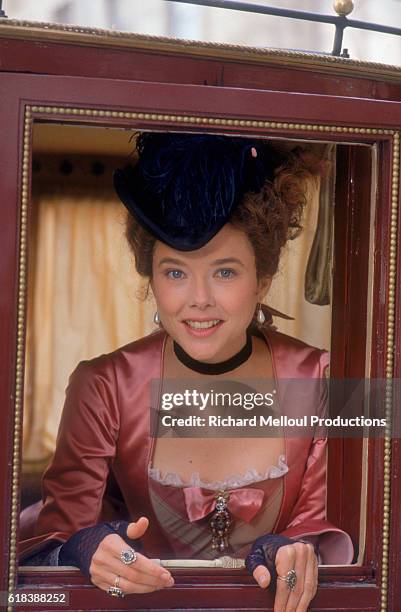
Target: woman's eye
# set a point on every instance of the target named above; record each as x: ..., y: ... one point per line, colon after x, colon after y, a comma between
x: 226, y: 273
x: 175, y: 274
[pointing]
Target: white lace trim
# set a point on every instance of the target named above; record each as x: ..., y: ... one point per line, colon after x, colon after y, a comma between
x: 238, y: 480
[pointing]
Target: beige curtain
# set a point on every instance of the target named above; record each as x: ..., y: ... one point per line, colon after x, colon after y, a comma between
x: 312, y: 323
x: 83, y: 301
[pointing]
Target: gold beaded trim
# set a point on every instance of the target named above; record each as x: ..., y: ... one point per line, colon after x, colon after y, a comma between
x: 210, y: 121
x: 67, y: 112
x: 390, y: 368
x: 74, y: 34
x: 19, y: 374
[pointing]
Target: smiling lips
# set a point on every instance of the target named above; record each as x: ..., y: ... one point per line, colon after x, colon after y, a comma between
x: 202, y: 328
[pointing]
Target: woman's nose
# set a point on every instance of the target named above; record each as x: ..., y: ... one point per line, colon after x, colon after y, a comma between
x: 201, y: 293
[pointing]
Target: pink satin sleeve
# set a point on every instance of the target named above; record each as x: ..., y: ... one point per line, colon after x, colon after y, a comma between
x: 73, y: 485
x: 308, y: 515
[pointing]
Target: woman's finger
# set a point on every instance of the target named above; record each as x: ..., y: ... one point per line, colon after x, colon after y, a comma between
x: 136, y: 529
x: 103, y: 569
x: 262, y: 576
x: 113, y: 545
x: 126, y: 586
x: 146, y: 566
x: 310, y: 580
x: 107, y: 559
x: 300, y: 563
x: 285, y: 560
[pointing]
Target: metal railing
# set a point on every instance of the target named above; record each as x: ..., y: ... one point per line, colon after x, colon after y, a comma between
x: 340, y: 21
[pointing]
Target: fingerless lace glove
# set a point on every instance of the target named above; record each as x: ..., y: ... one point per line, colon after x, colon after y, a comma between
x: 264, y: 551
x: 81, y: 546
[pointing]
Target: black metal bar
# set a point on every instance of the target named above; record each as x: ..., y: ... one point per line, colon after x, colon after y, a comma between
x: 2, y: 13
x: 374, y: 27
x: 265, y: 10
x: 339, y: 21
x: 338, y: 36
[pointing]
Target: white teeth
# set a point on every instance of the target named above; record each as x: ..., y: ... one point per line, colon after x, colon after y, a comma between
x: 202, y: 324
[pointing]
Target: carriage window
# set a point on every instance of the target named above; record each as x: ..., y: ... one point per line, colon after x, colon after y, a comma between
x: 85, y: 298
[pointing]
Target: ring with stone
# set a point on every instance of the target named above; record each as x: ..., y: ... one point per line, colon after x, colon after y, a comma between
x: 115, y: 591
x: 128, y: 556
x: 290, y: 578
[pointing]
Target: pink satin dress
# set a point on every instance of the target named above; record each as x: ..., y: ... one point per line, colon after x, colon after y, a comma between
x: 105, y: 426
x: 184, y: 509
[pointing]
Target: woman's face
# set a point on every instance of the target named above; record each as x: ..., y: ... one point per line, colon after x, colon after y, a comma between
x: 206, y: 298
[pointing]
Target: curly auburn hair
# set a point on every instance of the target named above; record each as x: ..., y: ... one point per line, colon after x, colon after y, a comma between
x: 269, y: 218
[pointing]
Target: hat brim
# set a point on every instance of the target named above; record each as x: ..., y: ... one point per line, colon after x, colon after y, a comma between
x: 167, y: 235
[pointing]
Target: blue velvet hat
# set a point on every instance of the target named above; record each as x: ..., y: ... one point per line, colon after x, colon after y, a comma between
x: 184, y: 187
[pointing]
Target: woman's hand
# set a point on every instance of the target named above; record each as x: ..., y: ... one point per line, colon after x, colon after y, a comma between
x: 142, y: 576
x: 296, y: 556
x: 302, y: 558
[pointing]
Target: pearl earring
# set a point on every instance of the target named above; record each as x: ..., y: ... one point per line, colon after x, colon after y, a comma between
x: 156, y: 318
x: 260, y: 316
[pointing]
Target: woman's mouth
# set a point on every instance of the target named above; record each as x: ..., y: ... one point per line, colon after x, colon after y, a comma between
x: 202, y: 328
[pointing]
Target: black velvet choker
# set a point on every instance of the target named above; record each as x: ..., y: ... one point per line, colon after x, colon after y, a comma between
x: 215, y: 368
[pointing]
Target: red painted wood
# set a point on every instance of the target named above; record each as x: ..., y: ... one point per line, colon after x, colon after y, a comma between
x: 381, y: 260
x: 349, y: 322
x: 395, y: 528
x: 190, y: 99
x: 205, y: 590
x: 82, y: 60
x: 383, y: 227
x: 9, y: 226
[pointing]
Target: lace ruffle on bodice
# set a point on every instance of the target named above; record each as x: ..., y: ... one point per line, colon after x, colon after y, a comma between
x: 237, y: 480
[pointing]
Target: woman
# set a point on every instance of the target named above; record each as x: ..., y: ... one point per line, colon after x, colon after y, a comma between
x: 209, y: 216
